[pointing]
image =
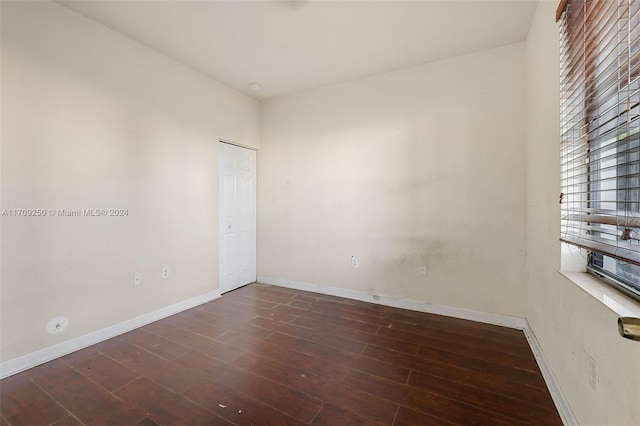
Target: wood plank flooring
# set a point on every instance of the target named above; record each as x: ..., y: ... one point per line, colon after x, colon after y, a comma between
x: 265, y: 355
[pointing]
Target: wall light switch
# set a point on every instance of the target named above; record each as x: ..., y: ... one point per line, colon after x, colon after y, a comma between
x: 137, y: 279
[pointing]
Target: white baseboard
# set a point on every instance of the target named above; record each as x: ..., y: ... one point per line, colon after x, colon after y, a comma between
x: 41, y: 356
x: 24, y: 362
x: 564, y: 410
x: 414, y: 305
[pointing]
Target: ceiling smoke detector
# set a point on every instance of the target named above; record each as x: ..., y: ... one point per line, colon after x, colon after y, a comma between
x: 253, y: 86
x: 295, y: 4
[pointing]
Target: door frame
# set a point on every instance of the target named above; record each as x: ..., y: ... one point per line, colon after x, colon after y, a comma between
x: 224, y: 289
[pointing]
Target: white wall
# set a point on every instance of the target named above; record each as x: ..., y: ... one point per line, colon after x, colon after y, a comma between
x: 570, y: 324
x: 423, y: 166
x: 91, y: 119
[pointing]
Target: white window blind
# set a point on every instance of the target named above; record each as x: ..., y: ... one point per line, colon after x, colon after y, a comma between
x: 600, y: 121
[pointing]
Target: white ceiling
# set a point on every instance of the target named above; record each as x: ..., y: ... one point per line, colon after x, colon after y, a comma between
x: 294, y: 45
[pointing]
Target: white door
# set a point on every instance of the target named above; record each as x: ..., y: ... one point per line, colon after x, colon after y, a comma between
x: 237, y: 216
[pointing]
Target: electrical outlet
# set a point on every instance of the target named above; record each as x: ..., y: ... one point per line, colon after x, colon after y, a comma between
x: 593, y: 373
x: 354, y: 262
x: 137, y: 279
x: 423, y: 270
x: 165, y: 272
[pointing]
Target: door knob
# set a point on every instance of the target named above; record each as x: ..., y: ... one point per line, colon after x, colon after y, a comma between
x: 629, y: 328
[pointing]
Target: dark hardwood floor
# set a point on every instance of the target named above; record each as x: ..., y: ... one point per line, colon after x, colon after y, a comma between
x: 265, y: 355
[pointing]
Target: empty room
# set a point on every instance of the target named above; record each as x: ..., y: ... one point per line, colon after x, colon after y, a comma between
x: 308, y: 212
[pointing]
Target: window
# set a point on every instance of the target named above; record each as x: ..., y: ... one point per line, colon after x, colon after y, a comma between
x: 600, y: 136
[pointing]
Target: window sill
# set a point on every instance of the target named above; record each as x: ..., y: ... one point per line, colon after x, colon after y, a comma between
x: 618, y: 303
